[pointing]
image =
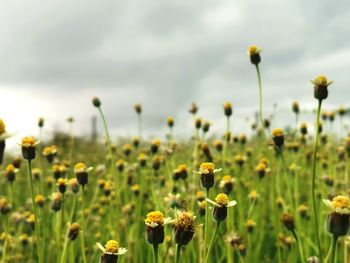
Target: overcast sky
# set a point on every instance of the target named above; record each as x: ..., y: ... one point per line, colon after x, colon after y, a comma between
x: 56, y: 55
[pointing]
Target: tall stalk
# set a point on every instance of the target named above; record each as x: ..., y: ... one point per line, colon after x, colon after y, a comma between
x: 260, y: 97
x: 313, y: 184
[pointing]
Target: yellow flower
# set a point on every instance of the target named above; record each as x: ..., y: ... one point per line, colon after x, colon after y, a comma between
x: 321, y: 81
x: 80, y: 168
x: 2, y: 126
x: 112, y: 246
x: 277, y: 132
x: 185, y: 221
x: 61, y: 181
x: 221, y: 199
x: 253, y: 50
x: 10, y: 168
x: 261, y: 167
x: 28, y: 141
x: 207, y: 168
x: 156, y: 217
x: 340, y: 204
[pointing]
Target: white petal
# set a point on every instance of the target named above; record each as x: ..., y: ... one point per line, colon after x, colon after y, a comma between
x: 167, y: 221
x: 217, y: 170
x: 89, y: 169
x: 212, y: 202
x: 122, y: 251
x: 101, y: 247
x: 232, y: 203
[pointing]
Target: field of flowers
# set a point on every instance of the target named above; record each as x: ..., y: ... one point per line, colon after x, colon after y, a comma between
x: 274, y: 196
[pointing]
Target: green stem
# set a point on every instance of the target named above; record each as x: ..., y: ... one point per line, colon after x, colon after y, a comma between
x: 301, y: 253
x: 206, y: 222
x: 82, y: 246
x: 178, y: 251
x: 331, y: 254
x: 155, y: 253
x: 212, y: 241
x: 36, y: 219
x: 260, y: 97
x: 313, y: 185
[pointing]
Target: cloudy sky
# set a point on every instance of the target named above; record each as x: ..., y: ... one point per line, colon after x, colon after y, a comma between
x: 55, y: 55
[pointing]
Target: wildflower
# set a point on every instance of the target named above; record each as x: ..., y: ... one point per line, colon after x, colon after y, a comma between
x: 40, y: 200
x: 207, y: 171
x: 261, y: 170
x: 200, y: 196
x: 250, y: 225
x: 56, y: 201
x: 96, y: 102
x: 234, y: 239
x: 240, y: 159
x: 28, y: 148
x: 198, y: 123
x: 202, y: 205
x: 157, y: 161
x: 73, y: 183
x: 3, y: 136
x: 342, y: 111
x: 220, y: 206
x: 278, y: 137
x: 218, y: 145
x: 174, y: 201
x: 253, y: 195
x: 31, y: 220
x: 288, y: 221
x: 62, y: 185
x: 194, y: 108
x: 136, y: 189
x: 4, y: 206
x: 73, y: 231
x: 127, y: 148
x: 338, y: 219
x: 24, y: 239
x: 142, y: 159
x: 41, y: 122
x: 184, y: 228
x: 111, y: 251
x: 227, y: 183
x: 120, y: 164
x: 303, y: 128
x: 155, y: 222
x: 81, y: 171
x: 303, y: 211
x: 321, y: 84
x: 136, y: 142
x: 170, y: 121
x: 180, y: 172
x: 254, y: 54
x: 138, y: 108
x: 295, y: 107
x: 155, y: 146
x: 228, y: 109
x: 206, y: 126
x: 50, y: 152
x: 10, y: 173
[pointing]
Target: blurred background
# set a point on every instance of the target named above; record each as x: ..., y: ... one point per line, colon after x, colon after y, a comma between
x: 56, y: 55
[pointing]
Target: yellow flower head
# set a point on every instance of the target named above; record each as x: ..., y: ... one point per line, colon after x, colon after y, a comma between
x: 200, y: 195
x: 227, y: 105
x: 278, y: 132
x: 185, y: 221
x: 112, y: 246
x: 227, y: 178
x: 28, y: 142
x: 261, y: 167
x: 155, y: 217
x: 253, y: 49
x: 39, y: 199
x: 10, y: 168
x: 61, y: 181
x: 221, y: 200
x: 135, y: 187
x: 80, y: 168
x: 321, y: 81
x: 2, y: 126
x: 341, y: 202
x: 156, y: 142
x: 207, y: 168
x: 182, y: 168
x: 143, y: 157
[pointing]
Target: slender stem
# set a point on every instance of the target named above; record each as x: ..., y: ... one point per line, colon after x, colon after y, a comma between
x: 226, y: 141
x: 212, y: 241
x: 82, y: 246
x: 178, y: 251
x: 206, y: 222
x: 139, y: 124
x: 155, y: 253
x: 36, y: 219
x: 313, y: 185
x: 333, y: 248
x: 300, y: 248
x: 260, y: 97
